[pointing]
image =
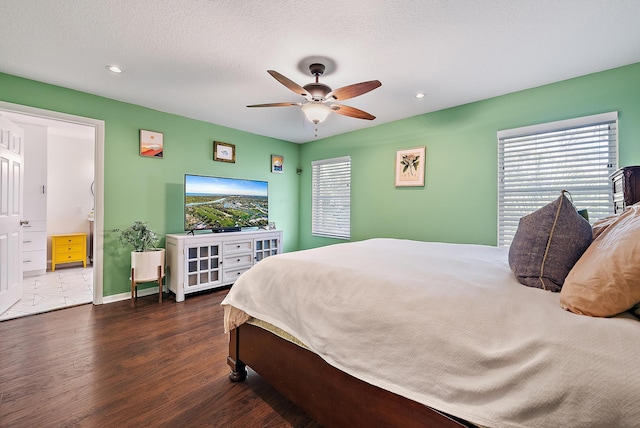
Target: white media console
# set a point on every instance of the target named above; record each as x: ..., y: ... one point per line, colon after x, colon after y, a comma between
x: 210, y: 260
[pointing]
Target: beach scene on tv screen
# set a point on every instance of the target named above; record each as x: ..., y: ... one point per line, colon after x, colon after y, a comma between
x: 218, y: 203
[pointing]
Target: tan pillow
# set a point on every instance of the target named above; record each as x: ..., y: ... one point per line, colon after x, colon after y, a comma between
x: 606, y: 279
x: 601, y: 225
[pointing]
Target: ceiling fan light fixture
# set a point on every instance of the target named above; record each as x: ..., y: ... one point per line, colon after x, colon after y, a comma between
x: 318, y: 95
x: 315, y: 111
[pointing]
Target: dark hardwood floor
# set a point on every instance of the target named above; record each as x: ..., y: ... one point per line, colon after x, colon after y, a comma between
x: 112, y: 365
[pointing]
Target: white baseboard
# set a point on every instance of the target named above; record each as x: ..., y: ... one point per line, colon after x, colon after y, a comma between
x: 126, y: 296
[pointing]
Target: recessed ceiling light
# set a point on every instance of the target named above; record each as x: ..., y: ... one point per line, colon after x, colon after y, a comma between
x: 420, y: 95
x: 114, y: 69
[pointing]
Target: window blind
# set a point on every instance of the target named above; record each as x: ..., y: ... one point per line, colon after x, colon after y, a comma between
x: 331, y: 198
x: 536, y: 163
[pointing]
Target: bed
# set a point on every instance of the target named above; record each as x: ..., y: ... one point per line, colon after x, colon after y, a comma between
x: 393, y: 332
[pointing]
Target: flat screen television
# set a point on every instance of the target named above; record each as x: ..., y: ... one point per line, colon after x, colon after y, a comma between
x: 224, y: 204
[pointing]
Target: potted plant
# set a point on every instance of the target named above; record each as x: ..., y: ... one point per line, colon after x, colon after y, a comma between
x: 146, y: 257
x: 139, y: 236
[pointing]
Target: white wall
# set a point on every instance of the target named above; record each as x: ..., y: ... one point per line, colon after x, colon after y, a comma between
x: 70, y: 173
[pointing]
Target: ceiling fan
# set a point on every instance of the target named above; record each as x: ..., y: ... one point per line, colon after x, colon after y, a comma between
x: 320, y: 97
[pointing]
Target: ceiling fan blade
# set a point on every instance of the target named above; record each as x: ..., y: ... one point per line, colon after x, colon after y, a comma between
x: 354, y: 90
x: 293, y: 86
x: 275, y: 105
x: 351, y: 112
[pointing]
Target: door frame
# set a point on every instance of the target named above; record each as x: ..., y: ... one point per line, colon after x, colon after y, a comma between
x: 98, y: 172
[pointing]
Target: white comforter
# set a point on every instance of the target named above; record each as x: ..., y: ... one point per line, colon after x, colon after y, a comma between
x: 448, y: 325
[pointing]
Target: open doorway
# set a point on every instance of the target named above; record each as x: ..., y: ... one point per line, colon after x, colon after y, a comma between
x: 74, y: 158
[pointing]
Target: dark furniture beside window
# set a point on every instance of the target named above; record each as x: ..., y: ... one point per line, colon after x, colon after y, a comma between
x: 626, y: 187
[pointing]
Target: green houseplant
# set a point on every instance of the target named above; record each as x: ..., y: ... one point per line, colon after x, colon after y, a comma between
x: 139, y: 236
x: 147, y: 260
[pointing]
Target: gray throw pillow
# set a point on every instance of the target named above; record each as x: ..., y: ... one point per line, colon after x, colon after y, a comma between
x: 548, y: 243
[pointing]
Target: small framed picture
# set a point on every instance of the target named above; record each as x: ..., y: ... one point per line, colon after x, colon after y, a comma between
x: 151, y: 144
x: 272, y: 225
x: 410, y: 167
x: 277, y: 164
x: 224, y: 152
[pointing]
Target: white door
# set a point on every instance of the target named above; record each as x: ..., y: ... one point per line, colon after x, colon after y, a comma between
x: 11, y: 174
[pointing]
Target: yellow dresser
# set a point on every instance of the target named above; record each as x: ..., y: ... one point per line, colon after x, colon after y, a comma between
x: 68, y: 248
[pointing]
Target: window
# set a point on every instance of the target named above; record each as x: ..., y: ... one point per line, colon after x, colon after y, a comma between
x: 536, y: 162
x: 331, y: 198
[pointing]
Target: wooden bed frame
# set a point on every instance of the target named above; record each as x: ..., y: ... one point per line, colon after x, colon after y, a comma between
x: 329, y: 395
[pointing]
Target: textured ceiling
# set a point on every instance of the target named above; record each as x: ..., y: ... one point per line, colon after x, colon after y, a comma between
x: 208, y: 59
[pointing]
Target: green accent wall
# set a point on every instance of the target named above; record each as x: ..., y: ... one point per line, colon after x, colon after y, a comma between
x: 148, y: 189
x: 459, y: 200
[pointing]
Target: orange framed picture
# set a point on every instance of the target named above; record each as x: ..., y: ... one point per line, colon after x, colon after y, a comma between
x: 277, y: 164
x: 151, y: 144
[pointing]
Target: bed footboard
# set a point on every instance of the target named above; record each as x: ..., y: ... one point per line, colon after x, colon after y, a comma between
x: 330, y: 396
